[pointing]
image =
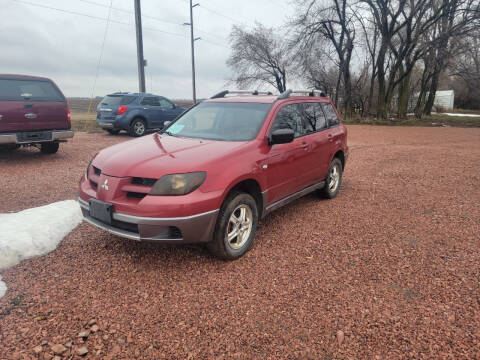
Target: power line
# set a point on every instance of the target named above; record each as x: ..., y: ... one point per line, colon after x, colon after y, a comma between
x: 92, y: 16
x: 100, y: 58
x: 154, y: 18
x: 131, y: 12
x: 112, y: 21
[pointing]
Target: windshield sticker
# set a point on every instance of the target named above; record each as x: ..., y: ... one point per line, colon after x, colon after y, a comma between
x: 176, y: 128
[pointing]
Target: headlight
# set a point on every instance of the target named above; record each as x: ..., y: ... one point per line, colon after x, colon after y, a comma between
x: 88, y: 169
x: 178, y: 184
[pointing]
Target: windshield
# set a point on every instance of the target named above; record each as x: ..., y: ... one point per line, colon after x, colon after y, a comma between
x: 114, y: 100
x: 221, y: 121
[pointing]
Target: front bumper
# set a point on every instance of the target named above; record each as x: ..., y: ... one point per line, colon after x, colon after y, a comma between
x: 188, y: 229
x: 57, y: 135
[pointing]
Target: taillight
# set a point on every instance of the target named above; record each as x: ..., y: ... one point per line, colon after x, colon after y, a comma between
x: 121, y: 110
x: 69, y: 117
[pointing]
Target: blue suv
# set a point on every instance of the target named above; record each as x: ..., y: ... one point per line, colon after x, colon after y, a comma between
x: 135, y: 113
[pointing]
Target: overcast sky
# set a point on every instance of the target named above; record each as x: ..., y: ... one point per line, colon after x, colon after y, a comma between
x: 66, y: 47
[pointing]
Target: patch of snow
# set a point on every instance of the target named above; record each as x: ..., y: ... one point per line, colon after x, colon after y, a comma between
x: 460, y: 114
x: 35, y: 232
x: 3, y: 288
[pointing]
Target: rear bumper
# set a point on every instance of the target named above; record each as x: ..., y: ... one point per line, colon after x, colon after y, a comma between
x: 189, y: 229
x: 57, y: 135
x: 106, y: 125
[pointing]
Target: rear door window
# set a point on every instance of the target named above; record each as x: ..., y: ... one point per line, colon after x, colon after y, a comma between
x: 331, y: 115
x: 29, y: 90
x: 150, y: 101
x: 313, y: 117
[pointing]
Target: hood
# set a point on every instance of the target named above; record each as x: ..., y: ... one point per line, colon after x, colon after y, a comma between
x: 156, y: 155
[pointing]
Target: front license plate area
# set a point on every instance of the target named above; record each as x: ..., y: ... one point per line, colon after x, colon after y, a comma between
x: 101, y: 210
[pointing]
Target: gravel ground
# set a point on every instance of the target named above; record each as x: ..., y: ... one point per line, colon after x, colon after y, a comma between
x: 389, y: 269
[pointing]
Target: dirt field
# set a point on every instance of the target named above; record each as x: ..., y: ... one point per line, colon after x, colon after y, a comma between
x: 390, y: 269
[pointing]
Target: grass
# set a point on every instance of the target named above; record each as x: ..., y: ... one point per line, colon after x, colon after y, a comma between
x: 429, y: 121
x: 85, y: 122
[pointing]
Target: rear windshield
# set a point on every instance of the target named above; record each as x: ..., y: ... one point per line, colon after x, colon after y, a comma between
x: 114, y: 100
x: 29, y: 90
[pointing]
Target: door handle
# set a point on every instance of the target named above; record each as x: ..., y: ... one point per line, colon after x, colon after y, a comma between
x: 330, y: 137
x: 305, y: 145
x: 30, y: 116
x: 145, y: 108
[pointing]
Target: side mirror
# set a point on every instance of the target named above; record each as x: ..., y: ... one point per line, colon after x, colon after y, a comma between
x: 166, y: 123
x: 281, y: 136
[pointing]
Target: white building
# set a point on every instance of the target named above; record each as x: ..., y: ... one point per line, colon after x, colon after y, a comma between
x: 444, y: 99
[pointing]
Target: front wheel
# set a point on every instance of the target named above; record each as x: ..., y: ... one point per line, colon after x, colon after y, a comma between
x: 49, y: 148
x: 236, y: 226
x: 138, y: 128
x: 333, y: 180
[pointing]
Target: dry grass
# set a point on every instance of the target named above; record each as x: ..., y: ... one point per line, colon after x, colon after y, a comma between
x: 428, y: 121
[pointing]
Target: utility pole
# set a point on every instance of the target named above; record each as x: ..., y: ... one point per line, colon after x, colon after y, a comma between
x: 193, y: 39
x: 141, y: 61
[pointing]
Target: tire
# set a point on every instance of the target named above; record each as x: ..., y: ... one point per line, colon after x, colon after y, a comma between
x: 231, y: 208
x: 333, y: 180
x: 113, y: 131
x: 49, y: 148
x: 138, y: 127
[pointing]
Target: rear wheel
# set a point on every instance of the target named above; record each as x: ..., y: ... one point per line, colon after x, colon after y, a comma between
x: 49, y: 148
x: 333, y: 180
x: 138, y: 127
x: 236, y: 227
x: 113, y: 131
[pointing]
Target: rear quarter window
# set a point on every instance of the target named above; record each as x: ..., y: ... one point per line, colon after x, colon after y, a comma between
x: 29, y: 90
x: 330, y: 114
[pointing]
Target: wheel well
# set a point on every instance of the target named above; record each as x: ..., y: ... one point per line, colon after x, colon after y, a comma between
x: 251, y: 187
x: 339, y: 154
x: 138, y: 117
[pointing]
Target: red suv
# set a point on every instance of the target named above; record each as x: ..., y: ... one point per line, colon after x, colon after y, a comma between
x: 209, y: 176
x: 33, y: 112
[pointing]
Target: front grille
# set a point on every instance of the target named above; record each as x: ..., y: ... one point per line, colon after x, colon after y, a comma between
x: 143, y: 181
x: 97, y: 171
x: 125, y: 226
x: 94, y: 184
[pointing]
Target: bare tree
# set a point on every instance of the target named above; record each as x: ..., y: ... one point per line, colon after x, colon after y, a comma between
x: 334, y: 21
x: 466, y: 69
x: 314, y: 66
x: 259, y: 57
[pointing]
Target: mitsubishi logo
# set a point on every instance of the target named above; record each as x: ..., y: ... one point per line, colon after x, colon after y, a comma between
x: 105, y: 185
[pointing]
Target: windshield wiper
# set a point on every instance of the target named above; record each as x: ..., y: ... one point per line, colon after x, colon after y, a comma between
x: 161, y: 132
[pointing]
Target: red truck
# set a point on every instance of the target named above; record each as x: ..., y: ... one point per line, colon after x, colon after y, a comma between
x: 209, y: 176
x: 33, y: 112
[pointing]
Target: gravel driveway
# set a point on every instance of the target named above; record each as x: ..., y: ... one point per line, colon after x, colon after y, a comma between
x: 389, y: 269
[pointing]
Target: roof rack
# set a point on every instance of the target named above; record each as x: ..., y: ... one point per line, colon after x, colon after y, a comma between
x: 287, y: 93
x: 222, y: 94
